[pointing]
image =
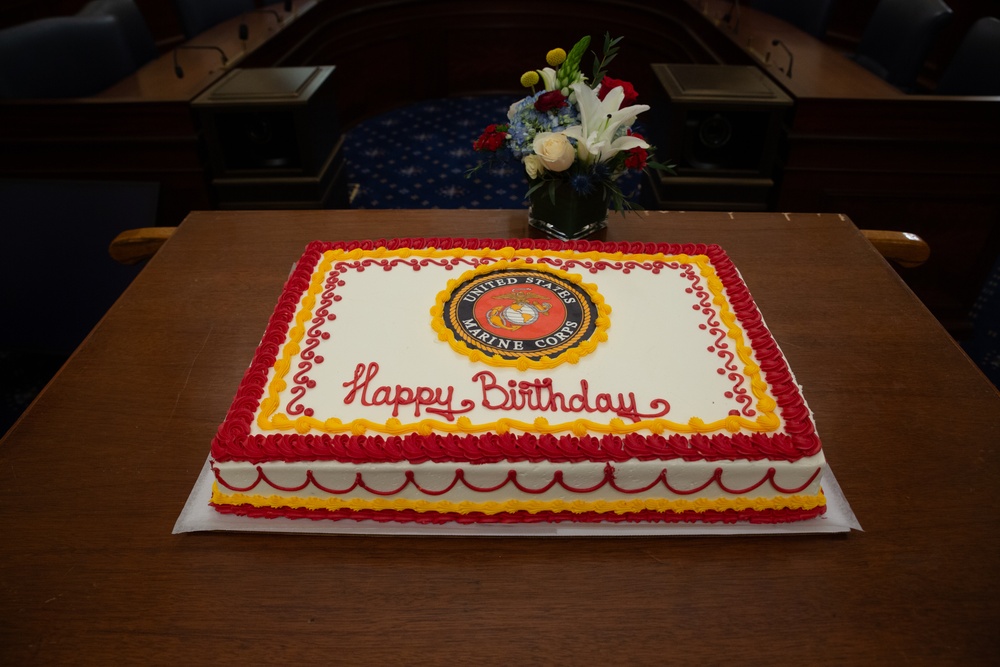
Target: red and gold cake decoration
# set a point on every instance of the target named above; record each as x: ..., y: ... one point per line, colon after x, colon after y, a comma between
x: 473, y: 380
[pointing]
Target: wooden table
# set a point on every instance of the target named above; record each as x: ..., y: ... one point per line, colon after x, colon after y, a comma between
x: 98, y: 469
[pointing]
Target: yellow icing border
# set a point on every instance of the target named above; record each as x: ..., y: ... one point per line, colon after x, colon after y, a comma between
x: 545, y: 362
x: 269, y: 419
x: 800, y: 502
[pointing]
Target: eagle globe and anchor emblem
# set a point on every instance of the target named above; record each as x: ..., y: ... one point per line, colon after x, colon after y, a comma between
x: 523, y: 312
x: 515, y: 313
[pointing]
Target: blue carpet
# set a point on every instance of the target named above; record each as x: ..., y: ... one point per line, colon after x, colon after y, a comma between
x: 984, y: 343
x: 418, y: 156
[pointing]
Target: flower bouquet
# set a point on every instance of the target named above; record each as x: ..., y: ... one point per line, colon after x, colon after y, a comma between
x: 575, y: 140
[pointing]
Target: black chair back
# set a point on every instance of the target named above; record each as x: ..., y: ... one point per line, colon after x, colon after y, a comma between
x: 132, y: 24
x: 197, y: 16
x: 975, y: 67
x: 899, y: 36
x: 63, y: 56
x: 811, y: 16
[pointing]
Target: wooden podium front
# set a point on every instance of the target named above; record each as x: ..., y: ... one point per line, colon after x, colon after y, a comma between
x: 273, y: 139
x: 721, y: 126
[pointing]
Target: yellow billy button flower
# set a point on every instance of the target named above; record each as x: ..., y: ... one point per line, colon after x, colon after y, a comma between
x: 529, y: 79
x: 555, y: 57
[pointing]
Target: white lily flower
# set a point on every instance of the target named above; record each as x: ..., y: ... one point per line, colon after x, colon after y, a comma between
x: 599, y: 122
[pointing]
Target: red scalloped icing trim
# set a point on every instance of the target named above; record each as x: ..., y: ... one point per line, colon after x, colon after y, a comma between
x: 411, y: 516
x: 233, y: 441
x: 458, y: 478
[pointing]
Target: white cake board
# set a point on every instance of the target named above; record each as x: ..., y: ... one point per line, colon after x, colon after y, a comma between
x: 198, y: 515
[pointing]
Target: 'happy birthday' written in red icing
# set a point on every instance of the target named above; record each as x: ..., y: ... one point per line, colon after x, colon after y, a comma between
x: 539, y: 395
x: 435, y: 400
x: 535, y: 395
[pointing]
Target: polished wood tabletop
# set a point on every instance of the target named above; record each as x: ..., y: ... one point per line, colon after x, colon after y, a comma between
x: 96, y: 472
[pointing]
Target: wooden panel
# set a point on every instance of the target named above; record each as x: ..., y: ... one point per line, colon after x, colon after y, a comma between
x: 911, y: 163
x: 400, y: 52
x: 153, y: 142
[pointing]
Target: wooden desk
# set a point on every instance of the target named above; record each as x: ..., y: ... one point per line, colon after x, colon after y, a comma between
x: 927, y: 164
x: 819, y: 70
x: 142, y: 128
x: 97, y: 471
x: 157, y: 81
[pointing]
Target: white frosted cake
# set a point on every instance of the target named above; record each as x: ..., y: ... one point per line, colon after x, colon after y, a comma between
x: 474, y: 380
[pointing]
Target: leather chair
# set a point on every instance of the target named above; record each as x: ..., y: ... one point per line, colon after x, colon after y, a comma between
x: 198, y: 16
x: 63, y: 56
x: 898, y: 37
x: 132, y: 24
x: 811, y: 16
x: 975, y: 67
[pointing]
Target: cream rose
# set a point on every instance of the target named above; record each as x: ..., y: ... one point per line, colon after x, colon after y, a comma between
x: 554, y: 150
x: 533, y: 166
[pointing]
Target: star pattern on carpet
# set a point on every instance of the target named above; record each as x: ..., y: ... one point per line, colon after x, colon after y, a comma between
x: 419, y: 156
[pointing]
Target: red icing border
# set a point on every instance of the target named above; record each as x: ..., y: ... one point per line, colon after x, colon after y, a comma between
x: 233, y: 441
x: 521, y: 517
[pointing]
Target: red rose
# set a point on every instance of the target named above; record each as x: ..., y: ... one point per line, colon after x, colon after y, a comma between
x: 491, y: 139
x: 636, y: 157
x: 608, y: 84
x: 554, y: 99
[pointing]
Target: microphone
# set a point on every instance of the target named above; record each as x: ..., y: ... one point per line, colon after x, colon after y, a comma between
x: 791, y: 58
x: 245, y: 29
x: 268, y: 11
x: 177, y: 67
x: 733, y: 13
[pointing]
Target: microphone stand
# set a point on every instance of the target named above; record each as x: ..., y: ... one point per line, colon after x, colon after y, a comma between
x: 245, y: 30
x: 733, y: 15
x: 177, y: 67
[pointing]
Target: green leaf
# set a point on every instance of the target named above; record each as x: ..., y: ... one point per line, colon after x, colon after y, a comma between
x: 659, y: 166
x: 601, y: 65
x: 571, y: 65
x: 534, y: 187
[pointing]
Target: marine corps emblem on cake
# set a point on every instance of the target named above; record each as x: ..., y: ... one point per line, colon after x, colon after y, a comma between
x: 521, y: 314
